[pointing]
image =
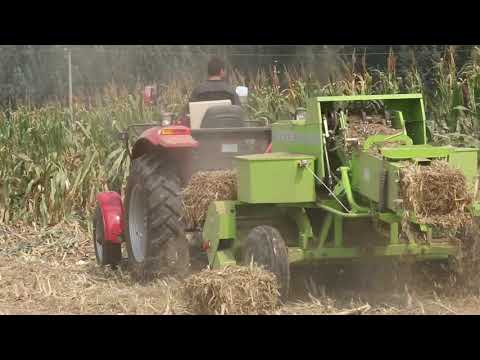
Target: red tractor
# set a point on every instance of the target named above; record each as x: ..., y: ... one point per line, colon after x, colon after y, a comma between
x: 163, y: 160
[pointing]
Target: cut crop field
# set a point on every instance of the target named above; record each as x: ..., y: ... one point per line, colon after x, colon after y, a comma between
x: 53, y: 271
x: 54, y: 161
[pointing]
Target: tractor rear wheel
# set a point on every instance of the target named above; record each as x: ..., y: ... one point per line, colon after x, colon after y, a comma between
x: 154, y: 234
x: 106, y: 252
x: 266, y: 247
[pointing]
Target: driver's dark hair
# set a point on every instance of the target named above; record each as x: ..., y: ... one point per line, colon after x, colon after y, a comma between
x: 215, y: 65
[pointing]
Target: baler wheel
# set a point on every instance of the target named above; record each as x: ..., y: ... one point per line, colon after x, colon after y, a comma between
x: 155, y: 236
x: 266, y: 247
x: 106, y: 252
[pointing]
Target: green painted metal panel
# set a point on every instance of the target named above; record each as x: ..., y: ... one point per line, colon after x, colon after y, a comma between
x: 219, y: 224
x: 413, y: 112
x: 381, y: 139
x: 275, y: 178
x: 223, y: 258
x: 438, y: 251
x: 417, y: 151
x: 300, y: 137
x: 466, y: 160
x: 393, y: 186
x: 366, y: 170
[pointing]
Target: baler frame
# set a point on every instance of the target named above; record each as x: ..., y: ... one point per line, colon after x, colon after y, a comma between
x: 224, y: 242
x: 311, y: 247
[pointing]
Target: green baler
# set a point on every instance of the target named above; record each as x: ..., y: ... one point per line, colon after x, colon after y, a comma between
x: 309, y: 202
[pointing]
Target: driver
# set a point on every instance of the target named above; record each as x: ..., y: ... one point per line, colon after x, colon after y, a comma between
x: 215, y: 87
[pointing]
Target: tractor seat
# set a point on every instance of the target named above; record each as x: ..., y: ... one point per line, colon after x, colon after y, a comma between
x: 224, y: 116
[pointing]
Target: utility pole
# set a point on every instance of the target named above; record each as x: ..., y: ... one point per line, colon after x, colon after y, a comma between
x: 70, y: 92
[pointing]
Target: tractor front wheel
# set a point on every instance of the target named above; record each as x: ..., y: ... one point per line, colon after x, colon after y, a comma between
x: 155, y: 236
x: 106, y: 252
x: 266, y: 247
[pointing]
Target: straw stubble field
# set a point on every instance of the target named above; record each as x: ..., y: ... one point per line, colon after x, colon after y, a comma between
x: 54, y: 272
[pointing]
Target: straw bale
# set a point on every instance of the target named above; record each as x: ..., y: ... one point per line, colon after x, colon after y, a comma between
x: 233, y: 290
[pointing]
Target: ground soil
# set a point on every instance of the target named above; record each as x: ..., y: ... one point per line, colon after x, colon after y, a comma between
x: 54, y: 272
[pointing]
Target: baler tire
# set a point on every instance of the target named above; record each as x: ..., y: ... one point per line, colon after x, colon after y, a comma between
x: 106, y: 252
x: 266, y: 247
x: 166, y: 248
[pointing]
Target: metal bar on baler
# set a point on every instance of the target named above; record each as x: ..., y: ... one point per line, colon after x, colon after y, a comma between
x: 348, y: 191
x: 326, y: 187
x: 342, y: 214
x: 338, y: 231
x: 325, y: 229
x: 330, y: 182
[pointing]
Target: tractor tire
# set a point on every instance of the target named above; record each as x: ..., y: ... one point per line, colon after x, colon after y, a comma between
x: 266, y: 247
x: 106, y: 252
x: 155, y: 236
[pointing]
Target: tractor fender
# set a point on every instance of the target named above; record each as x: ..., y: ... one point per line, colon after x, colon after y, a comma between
x: 153, y: 138
x: 111, y: 206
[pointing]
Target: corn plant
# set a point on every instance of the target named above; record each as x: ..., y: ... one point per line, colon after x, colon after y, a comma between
x: 51, y: 168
